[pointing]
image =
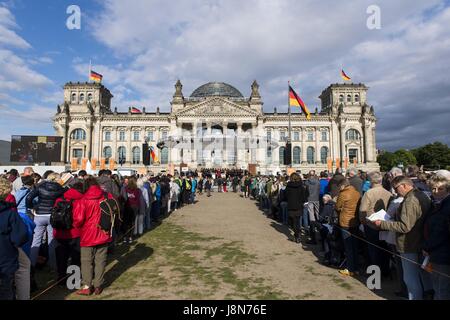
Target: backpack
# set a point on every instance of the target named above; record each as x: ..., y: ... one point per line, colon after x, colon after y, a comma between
x: 61, y: 216
x: 109, y: 212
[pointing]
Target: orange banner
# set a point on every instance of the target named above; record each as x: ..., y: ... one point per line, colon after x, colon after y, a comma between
x: 74, y: 164
x: 338, y: 163
x: 112, y: 164
x: 330, y: 164
x: 84, y: 163
x: 290, y: 171
x: 94, y: 164
x: 102, y: 164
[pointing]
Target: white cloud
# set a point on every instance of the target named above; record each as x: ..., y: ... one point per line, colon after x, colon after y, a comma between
x: 405, y: 64
x: 8, y: 37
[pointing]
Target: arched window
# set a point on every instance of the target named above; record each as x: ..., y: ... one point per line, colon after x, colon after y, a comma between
x: 323, y: 155
x: 90, y: 98
x: 164, y: 155
x: 349, y: 98
x: 296, y: 155
x: 282, y: 155
x: 310, y: 155
x: 78, y: 134
x: 356, y: 97
x: 136, y: 155
x: 352, y: 135
x: 81, y: 97
x: 107, y: 153
x: 73, y: 97
x: 341, y: 98
x: 122, y: 152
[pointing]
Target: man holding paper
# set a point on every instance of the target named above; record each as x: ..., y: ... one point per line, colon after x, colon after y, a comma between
x: 374, y: 200
x: 408, y: 226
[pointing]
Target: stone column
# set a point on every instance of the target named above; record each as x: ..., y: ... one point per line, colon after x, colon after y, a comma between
x: 128, y: 143
x: 63, y: 132
x: 303, y: 136
x: 367, y: 146
x: 317, y: 135
x: 342, y: 143
x: 88, y: 141
x: 114, y: 153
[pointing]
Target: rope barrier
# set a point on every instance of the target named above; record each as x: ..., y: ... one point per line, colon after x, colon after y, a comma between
x: 65, y: 277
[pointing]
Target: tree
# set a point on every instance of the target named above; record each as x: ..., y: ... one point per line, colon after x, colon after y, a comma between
x: 386, y: 160
x: 401, y: 157
x: 433, y: 156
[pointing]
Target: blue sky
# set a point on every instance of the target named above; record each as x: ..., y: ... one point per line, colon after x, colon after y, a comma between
x: 143, y: 47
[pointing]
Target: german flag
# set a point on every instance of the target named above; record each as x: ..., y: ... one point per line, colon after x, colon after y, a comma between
x: 344, y: 76
x: 153, y: 154
x: 296, y: 101
x: 96, y: 77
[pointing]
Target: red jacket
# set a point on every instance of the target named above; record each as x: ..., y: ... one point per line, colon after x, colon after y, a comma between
x: 73, y: 233
x: 86, y: 216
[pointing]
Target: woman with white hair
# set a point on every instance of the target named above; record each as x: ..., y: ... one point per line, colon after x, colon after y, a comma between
x: 145, y: 207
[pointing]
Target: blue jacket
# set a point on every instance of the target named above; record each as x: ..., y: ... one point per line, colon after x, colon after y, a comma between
x: 193, y: 185
x: 366, y: 186
x: 21, y: 196
x: 323, y: 186
x: 30, y: 231
x: 158, y: 192
x: 13, y: 234
x: 437, y: 233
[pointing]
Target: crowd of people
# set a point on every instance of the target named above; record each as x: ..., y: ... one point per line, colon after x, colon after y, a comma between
x: 57, y: 219
x: 398, y: 221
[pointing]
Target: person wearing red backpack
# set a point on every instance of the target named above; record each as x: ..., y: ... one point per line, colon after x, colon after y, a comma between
x: 93, y: 240
x: 68, y: 240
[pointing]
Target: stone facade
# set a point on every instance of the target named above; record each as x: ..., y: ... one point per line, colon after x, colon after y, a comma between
x: 342, y: 133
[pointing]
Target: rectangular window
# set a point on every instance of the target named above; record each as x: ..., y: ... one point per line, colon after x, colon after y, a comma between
x: 77, y: 153
x: 310, y: 136
x: 282, y: 135
x: 324, y: 136
x: 136, y: 136
x: 352, y: 154
x: 122, y: 136
x: 150, y: 135
x: 164, y: 135
x: 107, y: 136
x: 296, y: 136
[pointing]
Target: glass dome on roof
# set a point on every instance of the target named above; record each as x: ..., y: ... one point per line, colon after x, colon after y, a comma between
x: 216, y: 89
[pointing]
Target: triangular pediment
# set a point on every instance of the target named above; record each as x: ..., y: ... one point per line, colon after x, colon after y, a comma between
x: 216, y: 106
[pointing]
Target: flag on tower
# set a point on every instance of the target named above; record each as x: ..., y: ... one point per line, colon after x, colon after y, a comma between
x: 296, y: 101
x: 344, y: 76
x: 135, y: 110
x: 96, y: 77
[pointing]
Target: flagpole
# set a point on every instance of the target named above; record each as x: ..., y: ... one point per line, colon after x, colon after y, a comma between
x: 289, y: 116
x: 90, y: 69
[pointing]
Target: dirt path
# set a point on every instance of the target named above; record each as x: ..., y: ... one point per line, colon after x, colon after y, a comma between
x: 222, y: 247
